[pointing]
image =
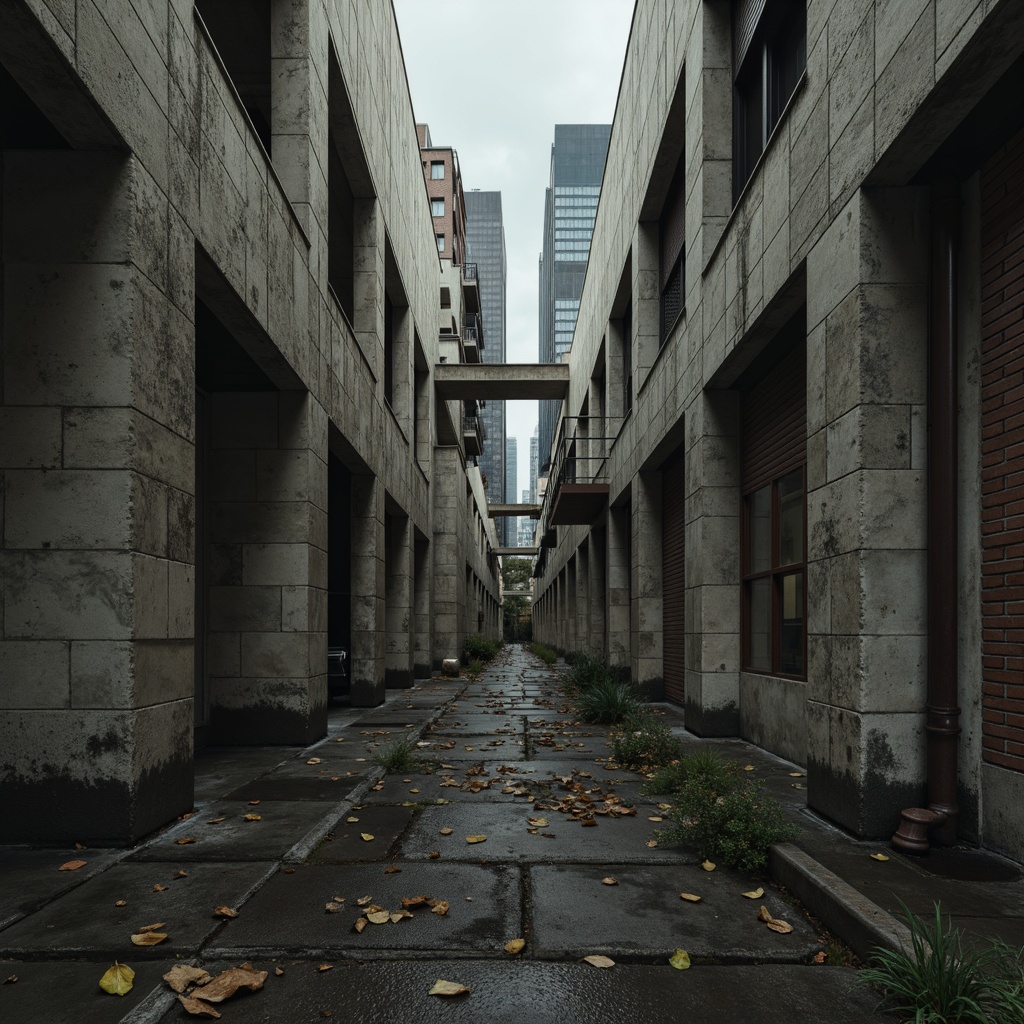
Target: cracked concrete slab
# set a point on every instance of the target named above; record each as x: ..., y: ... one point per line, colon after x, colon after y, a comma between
x: 385, y: 824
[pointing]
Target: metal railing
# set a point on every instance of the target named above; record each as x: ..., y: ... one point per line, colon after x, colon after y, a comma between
x: 473, y: 329
x: 469, y: 272
x: 473, y: 424
x: 581, y: 453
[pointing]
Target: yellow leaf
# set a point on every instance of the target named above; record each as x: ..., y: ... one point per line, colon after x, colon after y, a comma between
x: 351, y: 819
x: 313, y: 760
x: 755, y: 894
x: 325, y: 967
x: 185, y: 841
x: 439, y: 907
x: 380, y: 917
x: 152, y: 927
x: 447, y: 831
x: 748, y: 767
x: 515, y: 946
x: 476, y: 839
x: 609, y: 881
x: 121, y: 903
x: 252, y: 817
x: 690, y: 897
x: 879, y: 856
x: 72, y: 865
x: 655, y: 817
x: 225, y: 912
x: 708, y: 865
x: 278, y: 971
x: 447, y: 988
x: 796, y: 775
x: 360, y: 924
x: 148, y: 938
x: 367, y: 838
x: 599, y: 961
x: 160, y: 888
x: 117, y: 980
x: 680, y: 960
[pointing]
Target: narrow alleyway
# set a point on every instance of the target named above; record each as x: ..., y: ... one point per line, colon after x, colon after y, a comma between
x: 518, y: 827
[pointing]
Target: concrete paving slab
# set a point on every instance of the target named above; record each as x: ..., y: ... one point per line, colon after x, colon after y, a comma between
x: 622, y: 840
x: 282, y: 824
x: 221, y: 769
x: 385, y: 824
x: 516, y: 991
x: 327, y: 767
x: 487, y: 726
x: 575, y: 914
x: 432, y: 788
x: 393, y: 717
x: 484, y: 911
x: 326, y: 788
x: 48, y: 992
x: 87, y: 922
x: 29, y: 878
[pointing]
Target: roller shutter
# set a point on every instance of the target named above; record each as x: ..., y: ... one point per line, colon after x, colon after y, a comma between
x: 673, y: 524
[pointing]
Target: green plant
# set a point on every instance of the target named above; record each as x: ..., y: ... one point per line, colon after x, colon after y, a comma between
x: 546, y: 654
x: 937, y: 981
x: 474, y: 667
x: 724, y: 815
x: 605, y: 702
x: 480, y: 647
x: 585, y: 670
x: 398, y: 757
x: 645, y: 742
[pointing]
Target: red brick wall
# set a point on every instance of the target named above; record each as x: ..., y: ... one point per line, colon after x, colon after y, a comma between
x: 1002, y: 473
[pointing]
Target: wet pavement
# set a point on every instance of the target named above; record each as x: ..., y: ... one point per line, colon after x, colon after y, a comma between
x: 514, y: 819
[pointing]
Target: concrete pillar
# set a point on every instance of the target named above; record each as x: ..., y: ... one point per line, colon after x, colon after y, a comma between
x: 646, y: 570
x: 447, y: 560
x: 570, y: 632
x: 368, y: 285
x: 618, y: 576
x: 597, y: 590
x: 867, y: 316
x: 368, y: 607
x: 422, y: 593
x: 713, y: 564
x: 582, y: 624
x: 646, y: 300
x: 399, y: 598
x: 97, y: 487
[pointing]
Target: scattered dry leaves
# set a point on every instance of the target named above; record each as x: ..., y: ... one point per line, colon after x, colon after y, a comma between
x: 774, y: 923
x: 197, y: 1008
x: 367, y: 837
x: 117, y: 980
x: 378, y: 917
x: 148, y: 938
x: 313, y: 760
x: 72, y: 865
x: 252, y: 817
x: 439, y: 907
x: 599, y: 961
x: 754, y: 894
x: 121, y: 903
x: 181, y: 977
x: 160, y: 888
x: 447, y: 988
x: 224, y: 912
x: 325, y: 967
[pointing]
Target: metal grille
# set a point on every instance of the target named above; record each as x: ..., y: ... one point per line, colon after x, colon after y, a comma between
x: 746, y: 16
x: 673, y: 576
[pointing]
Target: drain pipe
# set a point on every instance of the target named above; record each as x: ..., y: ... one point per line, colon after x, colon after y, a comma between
x: 942, y: 710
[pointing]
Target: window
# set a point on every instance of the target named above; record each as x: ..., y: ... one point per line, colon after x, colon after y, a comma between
x: 440, y: 243
x: 773, y: 576
x: 437, y: 169
x: 672, y: 249
x: 769, y: 57
x: 437, y: 207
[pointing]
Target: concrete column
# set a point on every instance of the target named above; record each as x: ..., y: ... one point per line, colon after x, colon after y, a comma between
x: 583, y: 598
x: 713, y: 564
x: 368, y: 285
x: 646, y: 569
x: 267, y: 568
x: 597, y: 591
x: 570, y: 624
x: 646, y: 300
x: 399, y: 598
x: 368, y: 608
x: 422, y: 592
x: 448, y: 563
x: 867, y: 316
x: 618, y: 576
x: 97, y: 486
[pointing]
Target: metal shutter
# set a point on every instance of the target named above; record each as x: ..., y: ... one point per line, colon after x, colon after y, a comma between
x: 746, y: 16
x: 775, y: 422
x: 673, y: 576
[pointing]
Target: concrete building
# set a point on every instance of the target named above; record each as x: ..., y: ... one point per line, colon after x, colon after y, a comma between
x: 534, y: 465
x: 485, y: 245
x: 570, y: 202
x: 790, y: 501
x: 221, y: 448
x: 511, y: 481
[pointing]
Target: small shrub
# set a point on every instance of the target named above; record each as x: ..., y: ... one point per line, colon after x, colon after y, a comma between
x: 585, y: 670
x: 937, y: 981
x: 546, y: 654
x: 645, y: 743
x: 720, y: 812
x: 480, y: 647
x: 398, y: 757
x: 606, y: 702
x: 474, y: 667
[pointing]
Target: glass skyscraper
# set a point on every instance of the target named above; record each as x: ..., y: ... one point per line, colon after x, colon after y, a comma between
x: 570, y: 205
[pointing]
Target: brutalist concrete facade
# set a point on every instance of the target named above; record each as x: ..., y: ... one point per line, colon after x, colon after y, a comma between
x: 220, y: 450
x: 898, y: 113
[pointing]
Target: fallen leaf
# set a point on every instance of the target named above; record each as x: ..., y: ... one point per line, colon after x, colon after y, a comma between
x: 652, y: 843
x: 181, y: 976
x: 313, y: 760
x: 690, y: 897
x: 363, y: 901
x: 333, y: 907
x: 748, y: 767
x: 392, y: 870
x: 820, y: 957
x: 680, y: 960
x: 160, y: 888
x: 225, y: 912
x: 754, y: 894
x: 181, y: 874
x: 708, y: 865
x: 117, y: 980
x: 198, y: 1009
x: 447, y: 988
x: 216, y: 821
x: 434, y: 854
x: 325, y: 967
x: 326, y: 1013
x: 278, y: 972
x: 10, y: 979
x: 796, y: 775
x: 447, y: 831
x: 413, y: 901
x: 476, y: 839
x: 252, y: 817
x: 366, y: 837
x: 360, y: 924
x: 185, y: 840
x: 81, y: 846
x: 148, y: 938
x: 655, y: 817
x: 538, y: 822
x: 589, y: 821
x: 609, y: 881
x: 879, y: 856
x: 352, y: 819
x: 152, y: 927
x: 515, y: 946
x: 121, y: 903
x: 379, y: 917
x: 413, y: 790
x: 72, y: 865
x: 288, y: 871
x: 599, y: 961
x: 776, y: 925
x: 254, y: 803
x: 439, y: 907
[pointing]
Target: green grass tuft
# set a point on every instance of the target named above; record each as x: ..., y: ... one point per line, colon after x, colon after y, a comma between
x: 398, y: 757
x: 645, y: 743
x: 546, y: 654
x: 480, y: 648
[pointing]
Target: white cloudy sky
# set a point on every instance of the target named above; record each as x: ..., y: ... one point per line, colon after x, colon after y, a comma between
x: 492, y: 78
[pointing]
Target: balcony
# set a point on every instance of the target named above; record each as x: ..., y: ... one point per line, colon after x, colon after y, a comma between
x: 578, y: 484
x: 471, y: 288
x: 472, y: 337
x: 473, y: 434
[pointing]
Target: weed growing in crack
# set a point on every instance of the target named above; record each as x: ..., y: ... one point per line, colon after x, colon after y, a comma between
x: 645, y: 743
x: 398, y: 757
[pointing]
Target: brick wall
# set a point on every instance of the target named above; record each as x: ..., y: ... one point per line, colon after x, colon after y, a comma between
x: 1002, y: 474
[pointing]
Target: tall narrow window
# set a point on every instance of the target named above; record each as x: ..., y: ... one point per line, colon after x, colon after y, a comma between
x: 774, y: 526
x: 627, y: 358
x: 437, y: 207
x: 389, y: 350
x: 769, y: 57
x: 672, y: 240
x: 440, y: 243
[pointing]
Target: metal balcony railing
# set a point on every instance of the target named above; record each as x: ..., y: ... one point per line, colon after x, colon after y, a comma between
x: 578, y: 482
x: 469, y: 272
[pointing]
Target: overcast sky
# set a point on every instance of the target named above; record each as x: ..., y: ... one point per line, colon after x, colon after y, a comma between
x: 492, y: 78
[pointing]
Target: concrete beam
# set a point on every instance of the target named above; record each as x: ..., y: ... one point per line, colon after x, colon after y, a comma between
x: 499, y: 510
x: 517, y: 552
x: 510, y: 381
